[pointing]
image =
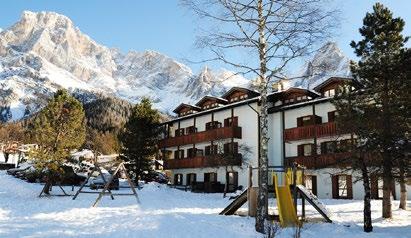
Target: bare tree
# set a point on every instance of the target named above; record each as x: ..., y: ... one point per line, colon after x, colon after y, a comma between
x: 271, y: 33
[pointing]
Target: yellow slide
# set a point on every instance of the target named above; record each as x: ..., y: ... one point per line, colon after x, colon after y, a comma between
x: 285, y: 204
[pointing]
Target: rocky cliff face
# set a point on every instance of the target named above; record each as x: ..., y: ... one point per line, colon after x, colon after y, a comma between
x: 44, y: 51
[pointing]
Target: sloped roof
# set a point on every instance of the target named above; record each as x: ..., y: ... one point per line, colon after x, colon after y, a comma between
x: 184, y: 105
x: 205, y: 98
x: 246, y: 90
x: 331, y: 80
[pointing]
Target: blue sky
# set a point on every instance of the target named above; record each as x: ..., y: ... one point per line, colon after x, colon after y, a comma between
x: 164, y: 26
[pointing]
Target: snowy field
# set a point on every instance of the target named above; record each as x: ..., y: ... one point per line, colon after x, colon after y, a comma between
x: 164, y: 212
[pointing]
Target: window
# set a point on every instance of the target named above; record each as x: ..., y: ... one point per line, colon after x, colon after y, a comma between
x: 308, y: 120
x: 231, y: 148
x: 190, y: 179
x: 234, y: 99
x: 231, y: 121
x: 232, y: 181
x: 179, y: 132
x: 193, y: 152
x: 179, y: 154
x: 191, y: 130
x: 329, y: 92
x: 211, y: 150
x: 213, y: 125
x: 344, y: 145
x: 305, y: 149
x: 210, y: 177
x: 328, y: 147
x: 178, y: 179
x: 243, y: 97
x: 332, y: 116
x: 342, y: 186
x: 310, y: 182
x: 199, y: 152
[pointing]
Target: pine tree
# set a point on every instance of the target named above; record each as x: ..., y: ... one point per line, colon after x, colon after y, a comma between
x: 381, y: 103
x: 139, y: 137
x: 58, y: 129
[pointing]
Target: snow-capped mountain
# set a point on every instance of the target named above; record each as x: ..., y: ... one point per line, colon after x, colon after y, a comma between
x: 44, y: 51
x: 329, y: 61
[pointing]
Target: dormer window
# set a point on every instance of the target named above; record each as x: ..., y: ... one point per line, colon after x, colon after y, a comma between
x: 236, y: 94
x: 329, y: 92
x: 234, y: 99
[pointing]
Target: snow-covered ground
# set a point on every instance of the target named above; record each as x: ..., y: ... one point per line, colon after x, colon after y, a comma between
x: 164, y: 212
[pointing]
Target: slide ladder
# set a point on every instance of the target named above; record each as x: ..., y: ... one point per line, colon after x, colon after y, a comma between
x: 313, y: 200
x: 236, y: 204
x: 285, y: 202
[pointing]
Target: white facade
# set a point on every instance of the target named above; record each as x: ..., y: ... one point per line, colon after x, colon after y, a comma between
x: 282, y: 118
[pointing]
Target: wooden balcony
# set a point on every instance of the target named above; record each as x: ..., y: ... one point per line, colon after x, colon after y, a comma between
x: 308, y: 132
x: 201, y: 162
x: 203, y: 136
x: 320, y: 161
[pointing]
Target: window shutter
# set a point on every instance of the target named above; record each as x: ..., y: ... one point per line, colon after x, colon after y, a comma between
x: 313, y: 149
x: 207, y: 150
x: 235, y: 149
x: 323, y: 148
x: 235, y: 121
x: 300, y: 150
x: 331, y: 116
x: 214, y: 150
x: 226, y: 122
x: 349, y: 187
x: 334, y: 182
x: 299, y: 122
x: 314, y: 184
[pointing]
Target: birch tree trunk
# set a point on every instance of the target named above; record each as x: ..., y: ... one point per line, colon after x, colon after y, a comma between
x: 262, y: 201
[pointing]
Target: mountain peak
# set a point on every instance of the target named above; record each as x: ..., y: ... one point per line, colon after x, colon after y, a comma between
x: 45, y: 19
x: 328, y: 61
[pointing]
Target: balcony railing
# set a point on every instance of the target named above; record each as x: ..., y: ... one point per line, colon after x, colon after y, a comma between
x: 202, y: 162
x: 307, y: 132
x: 203, y: 136
x: 320, y: 161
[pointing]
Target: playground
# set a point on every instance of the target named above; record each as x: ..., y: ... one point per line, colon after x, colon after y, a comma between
x: 166, y: 212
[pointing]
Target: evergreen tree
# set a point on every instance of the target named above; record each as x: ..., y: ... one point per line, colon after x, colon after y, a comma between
x: 58, y: 129
x: 379, y: 106
x: 139, y: 137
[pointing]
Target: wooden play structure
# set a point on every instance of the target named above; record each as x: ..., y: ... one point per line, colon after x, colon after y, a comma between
x: 287, y: 186
x: 120, y: 169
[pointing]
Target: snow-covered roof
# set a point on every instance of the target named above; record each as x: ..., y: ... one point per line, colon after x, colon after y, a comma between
x: 184, y: 105
x: 233, y: 89
x: 209, y: 97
